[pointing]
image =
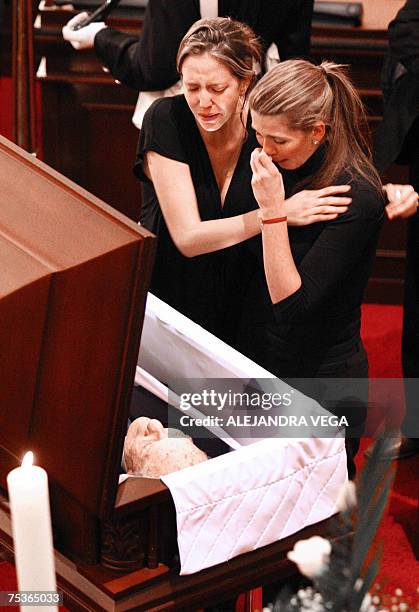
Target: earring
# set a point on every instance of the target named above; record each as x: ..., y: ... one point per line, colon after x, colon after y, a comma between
x: 315, y: 142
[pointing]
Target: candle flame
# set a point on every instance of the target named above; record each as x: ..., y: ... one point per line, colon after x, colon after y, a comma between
x: 27, y: 459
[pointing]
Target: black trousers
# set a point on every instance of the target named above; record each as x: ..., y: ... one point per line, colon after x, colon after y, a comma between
x: 342, y: 389
x: 410, y: 335
x: 349, y: 397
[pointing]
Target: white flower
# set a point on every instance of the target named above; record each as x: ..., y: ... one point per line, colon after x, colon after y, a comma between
x: 347, y: 497
x: 311, y: 556
x: 367, y: 604
x: 368, y: 601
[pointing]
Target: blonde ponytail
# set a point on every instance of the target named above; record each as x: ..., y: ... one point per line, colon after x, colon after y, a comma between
x: 306, y: 94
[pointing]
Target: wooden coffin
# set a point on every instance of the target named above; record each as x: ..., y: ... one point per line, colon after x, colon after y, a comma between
x: 72, y: 294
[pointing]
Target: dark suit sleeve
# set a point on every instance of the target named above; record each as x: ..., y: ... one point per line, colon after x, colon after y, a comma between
x: 403, y: 34
x: 293, y: 36
x: 148, y: 63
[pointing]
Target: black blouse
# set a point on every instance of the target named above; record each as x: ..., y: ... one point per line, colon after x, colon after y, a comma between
x: 207, y: 288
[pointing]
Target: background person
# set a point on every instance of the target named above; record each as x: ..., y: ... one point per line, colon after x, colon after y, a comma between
x: 397, y: 140
x: 148, y: 62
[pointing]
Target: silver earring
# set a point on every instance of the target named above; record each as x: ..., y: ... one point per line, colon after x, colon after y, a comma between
x: 315, y: 142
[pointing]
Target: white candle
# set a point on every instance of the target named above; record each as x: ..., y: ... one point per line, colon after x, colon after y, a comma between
x: 32, y: 532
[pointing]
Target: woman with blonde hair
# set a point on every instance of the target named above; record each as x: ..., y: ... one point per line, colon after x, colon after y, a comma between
x: 303, y: 312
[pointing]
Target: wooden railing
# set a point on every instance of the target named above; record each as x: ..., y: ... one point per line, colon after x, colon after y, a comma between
x: 24, y: 111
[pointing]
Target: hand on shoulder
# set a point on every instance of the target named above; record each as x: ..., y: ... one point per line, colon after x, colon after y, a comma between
x: 315, y: 205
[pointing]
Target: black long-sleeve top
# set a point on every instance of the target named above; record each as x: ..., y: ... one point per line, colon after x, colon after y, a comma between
x: 317, y: 328
x: 148, y: 63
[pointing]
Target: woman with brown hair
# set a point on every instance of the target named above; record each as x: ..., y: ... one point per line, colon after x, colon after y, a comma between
x: 304, y: 319
x: 193, y: 158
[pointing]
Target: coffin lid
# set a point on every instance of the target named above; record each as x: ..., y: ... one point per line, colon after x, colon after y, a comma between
x: 72, y: 296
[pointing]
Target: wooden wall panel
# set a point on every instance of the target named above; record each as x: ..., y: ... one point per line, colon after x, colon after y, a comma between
x: 89, y: 137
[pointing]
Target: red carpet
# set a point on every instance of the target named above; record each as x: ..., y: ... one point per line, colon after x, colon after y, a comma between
x: 8, y: 583
x: 381, y: 331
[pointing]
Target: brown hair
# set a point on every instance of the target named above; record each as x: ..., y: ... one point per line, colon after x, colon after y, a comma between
x: 231, y: 42
x: 305, y: 94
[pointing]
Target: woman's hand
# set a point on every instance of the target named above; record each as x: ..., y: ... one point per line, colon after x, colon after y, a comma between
x: 282, y: 276
x: 314, y: 205
x: 403, y: 201
x: 267, y: 184
x: 303, y: 208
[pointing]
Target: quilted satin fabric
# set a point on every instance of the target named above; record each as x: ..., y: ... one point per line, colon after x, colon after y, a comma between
x: 254, y: 496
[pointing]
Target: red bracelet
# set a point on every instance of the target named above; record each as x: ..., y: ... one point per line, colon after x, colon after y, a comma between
x: 268, y: 221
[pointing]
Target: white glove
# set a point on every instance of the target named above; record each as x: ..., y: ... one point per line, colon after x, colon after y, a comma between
x: 83, y: 38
